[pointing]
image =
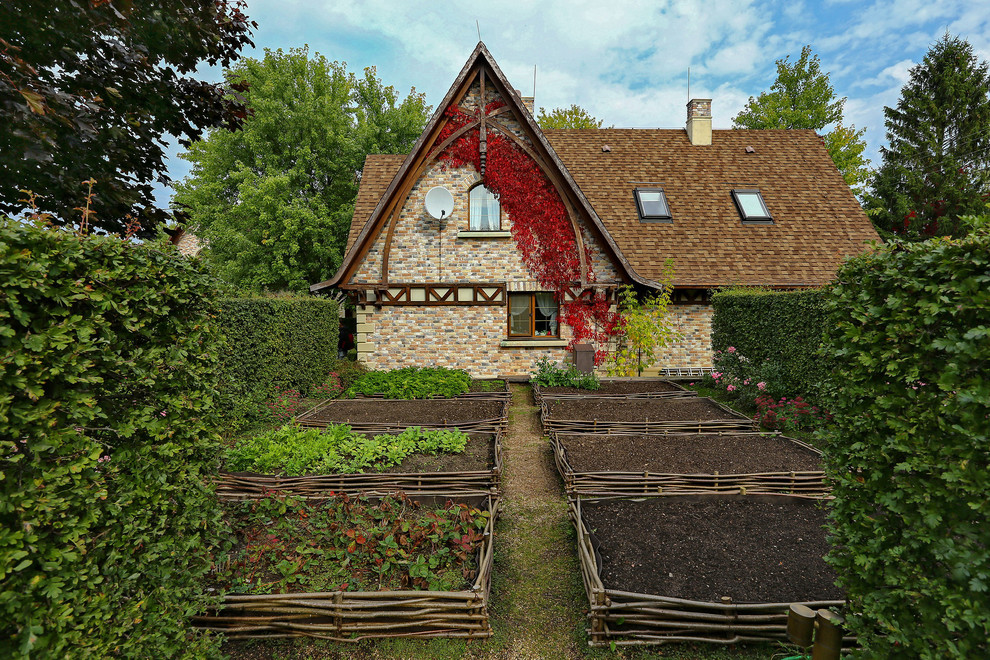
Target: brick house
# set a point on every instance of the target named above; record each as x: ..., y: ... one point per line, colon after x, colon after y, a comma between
x: 727, y: 206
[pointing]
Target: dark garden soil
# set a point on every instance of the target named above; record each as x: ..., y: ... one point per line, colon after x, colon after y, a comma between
x: 637, y: 410
x: 687, y: 454
x: 618, y: 387
x: 752, y: 549
x: 478, y: 455
x: 412, y: 413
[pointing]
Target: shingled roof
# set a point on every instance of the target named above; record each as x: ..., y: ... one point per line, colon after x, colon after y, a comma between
x: 816, y: 220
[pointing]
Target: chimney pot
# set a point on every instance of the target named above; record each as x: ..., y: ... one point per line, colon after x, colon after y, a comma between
x: 699, y: 121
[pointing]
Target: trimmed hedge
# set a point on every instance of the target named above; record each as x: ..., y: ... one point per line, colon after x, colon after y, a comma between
x: 108, y: 369
x: 780, y: 332
x: 909, y: 452
x: 290, y: 343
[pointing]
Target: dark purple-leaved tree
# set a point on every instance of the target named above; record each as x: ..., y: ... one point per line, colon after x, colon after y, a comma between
x: 91, y: 89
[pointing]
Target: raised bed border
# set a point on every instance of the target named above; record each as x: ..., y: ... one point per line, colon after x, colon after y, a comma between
x: 352, y: 616
x: 681, y: 391
x: 807, y: 484
x: 232, y: 486
x: 494, y: 425
x: 661, y: 619
x: 735, y: 421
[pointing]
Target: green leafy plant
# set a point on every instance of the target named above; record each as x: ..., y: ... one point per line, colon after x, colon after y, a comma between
x: 778, y: 333
x: 109, y: 357
x: 908, y: 326
x: 645, y: 328
x: 350, y: 544
x: 412, y: 383
x: 275, y: 342
x: 550, y: 374
x: 292, y: 450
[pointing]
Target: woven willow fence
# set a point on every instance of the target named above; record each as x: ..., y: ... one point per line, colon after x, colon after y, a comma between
x: 323, y: 415
x: 624, y: 618
x: 808, y: 484
x: 732, y: 421
x: 351, y: 616
x: 245, y: 485
x: 679, y: 391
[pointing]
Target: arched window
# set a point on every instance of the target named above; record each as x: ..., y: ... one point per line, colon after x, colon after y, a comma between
x: 485, y: 211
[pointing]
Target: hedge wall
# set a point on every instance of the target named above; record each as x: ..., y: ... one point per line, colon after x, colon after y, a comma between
x: 909, y: 453
x: 780, y: 332
x: 277, y: 342
x: 108, y: 368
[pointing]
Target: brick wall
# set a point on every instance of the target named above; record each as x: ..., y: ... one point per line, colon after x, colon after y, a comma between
x: 467, y: 338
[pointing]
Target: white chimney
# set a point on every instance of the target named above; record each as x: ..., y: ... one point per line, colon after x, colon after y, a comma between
x: 699, y: 121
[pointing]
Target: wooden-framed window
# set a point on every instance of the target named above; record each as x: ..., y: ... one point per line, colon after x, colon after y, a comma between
x: 484, y: 210
x: 533, y: 315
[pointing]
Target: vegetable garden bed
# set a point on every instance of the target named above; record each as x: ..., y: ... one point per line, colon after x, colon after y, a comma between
x: 475, y: 470
x: 613, y: 415
x: 679, y: 464
x: 347, y: 615
x: 471, y: 415
x: 717, y: 569
x: 626, y: 388
x: 480, y: 388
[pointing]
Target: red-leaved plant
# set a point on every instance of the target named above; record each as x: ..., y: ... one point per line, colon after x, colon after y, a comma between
x: 789, y: 414
x: 540, y: 225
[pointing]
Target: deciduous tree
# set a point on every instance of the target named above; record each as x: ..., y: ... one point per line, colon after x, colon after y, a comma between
x: 90, y: 88
x: 572, y: 117
x: 803, y: 97
x: 274, y: 200
x: 936, y: 167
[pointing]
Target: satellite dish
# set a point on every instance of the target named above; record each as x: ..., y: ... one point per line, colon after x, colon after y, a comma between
x: 439, y: 202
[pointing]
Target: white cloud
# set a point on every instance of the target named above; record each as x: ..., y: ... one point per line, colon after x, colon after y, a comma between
x: 626, y: 61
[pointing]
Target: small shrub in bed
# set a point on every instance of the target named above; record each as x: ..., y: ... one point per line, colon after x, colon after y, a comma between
x: 550, y: 374
x: 412, y: 383
x: 342, y: 543
x: 908, y: 326
x: 292, y: 450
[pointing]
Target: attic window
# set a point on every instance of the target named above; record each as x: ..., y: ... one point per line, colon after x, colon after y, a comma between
x: 751, y: 206
x: 651, y: 203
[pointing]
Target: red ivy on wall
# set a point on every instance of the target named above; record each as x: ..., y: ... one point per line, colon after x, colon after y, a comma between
x: 539, y: 225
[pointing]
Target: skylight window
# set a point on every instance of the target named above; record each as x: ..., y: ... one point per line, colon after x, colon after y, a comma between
x: 751, y: 206
x: 651, y: 203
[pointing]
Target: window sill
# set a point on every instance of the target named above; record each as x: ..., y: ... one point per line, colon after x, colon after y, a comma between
x: 483, y: 234
x: 534, y: 343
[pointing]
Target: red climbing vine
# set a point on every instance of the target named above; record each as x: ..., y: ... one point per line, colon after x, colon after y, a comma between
x: 539, y: 224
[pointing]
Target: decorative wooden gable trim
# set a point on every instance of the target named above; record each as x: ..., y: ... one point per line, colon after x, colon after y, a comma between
x: 480, y: 67
x: 433, y: 294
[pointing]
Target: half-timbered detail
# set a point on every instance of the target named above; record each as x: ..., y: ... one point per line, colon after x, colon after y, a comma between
x: 457, y: 291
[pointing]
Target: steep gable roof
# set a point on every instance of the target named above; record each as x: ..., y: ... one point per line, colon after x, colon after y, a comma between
x: 479, y: 65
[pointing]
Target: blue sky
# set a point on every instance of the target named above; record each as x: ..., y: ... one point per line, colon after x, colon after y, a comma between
x: 626, y: 61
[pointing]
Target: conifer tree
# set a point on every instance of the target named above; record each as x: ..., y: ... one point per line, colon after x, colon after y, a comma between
x: 936, y: 167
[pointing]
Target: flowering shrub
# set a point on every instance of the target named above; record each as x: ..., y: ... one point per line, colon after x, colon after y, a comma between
x: 789, y: 415
x: 284, y: 404
x: 330, y: 389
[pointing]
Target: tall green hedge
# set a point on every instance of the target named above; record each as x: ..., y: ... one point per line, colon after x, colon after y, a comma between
x: 277, y: 342
x: 108, y: 368
x: 909, y: 453
x: 780, y: 333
